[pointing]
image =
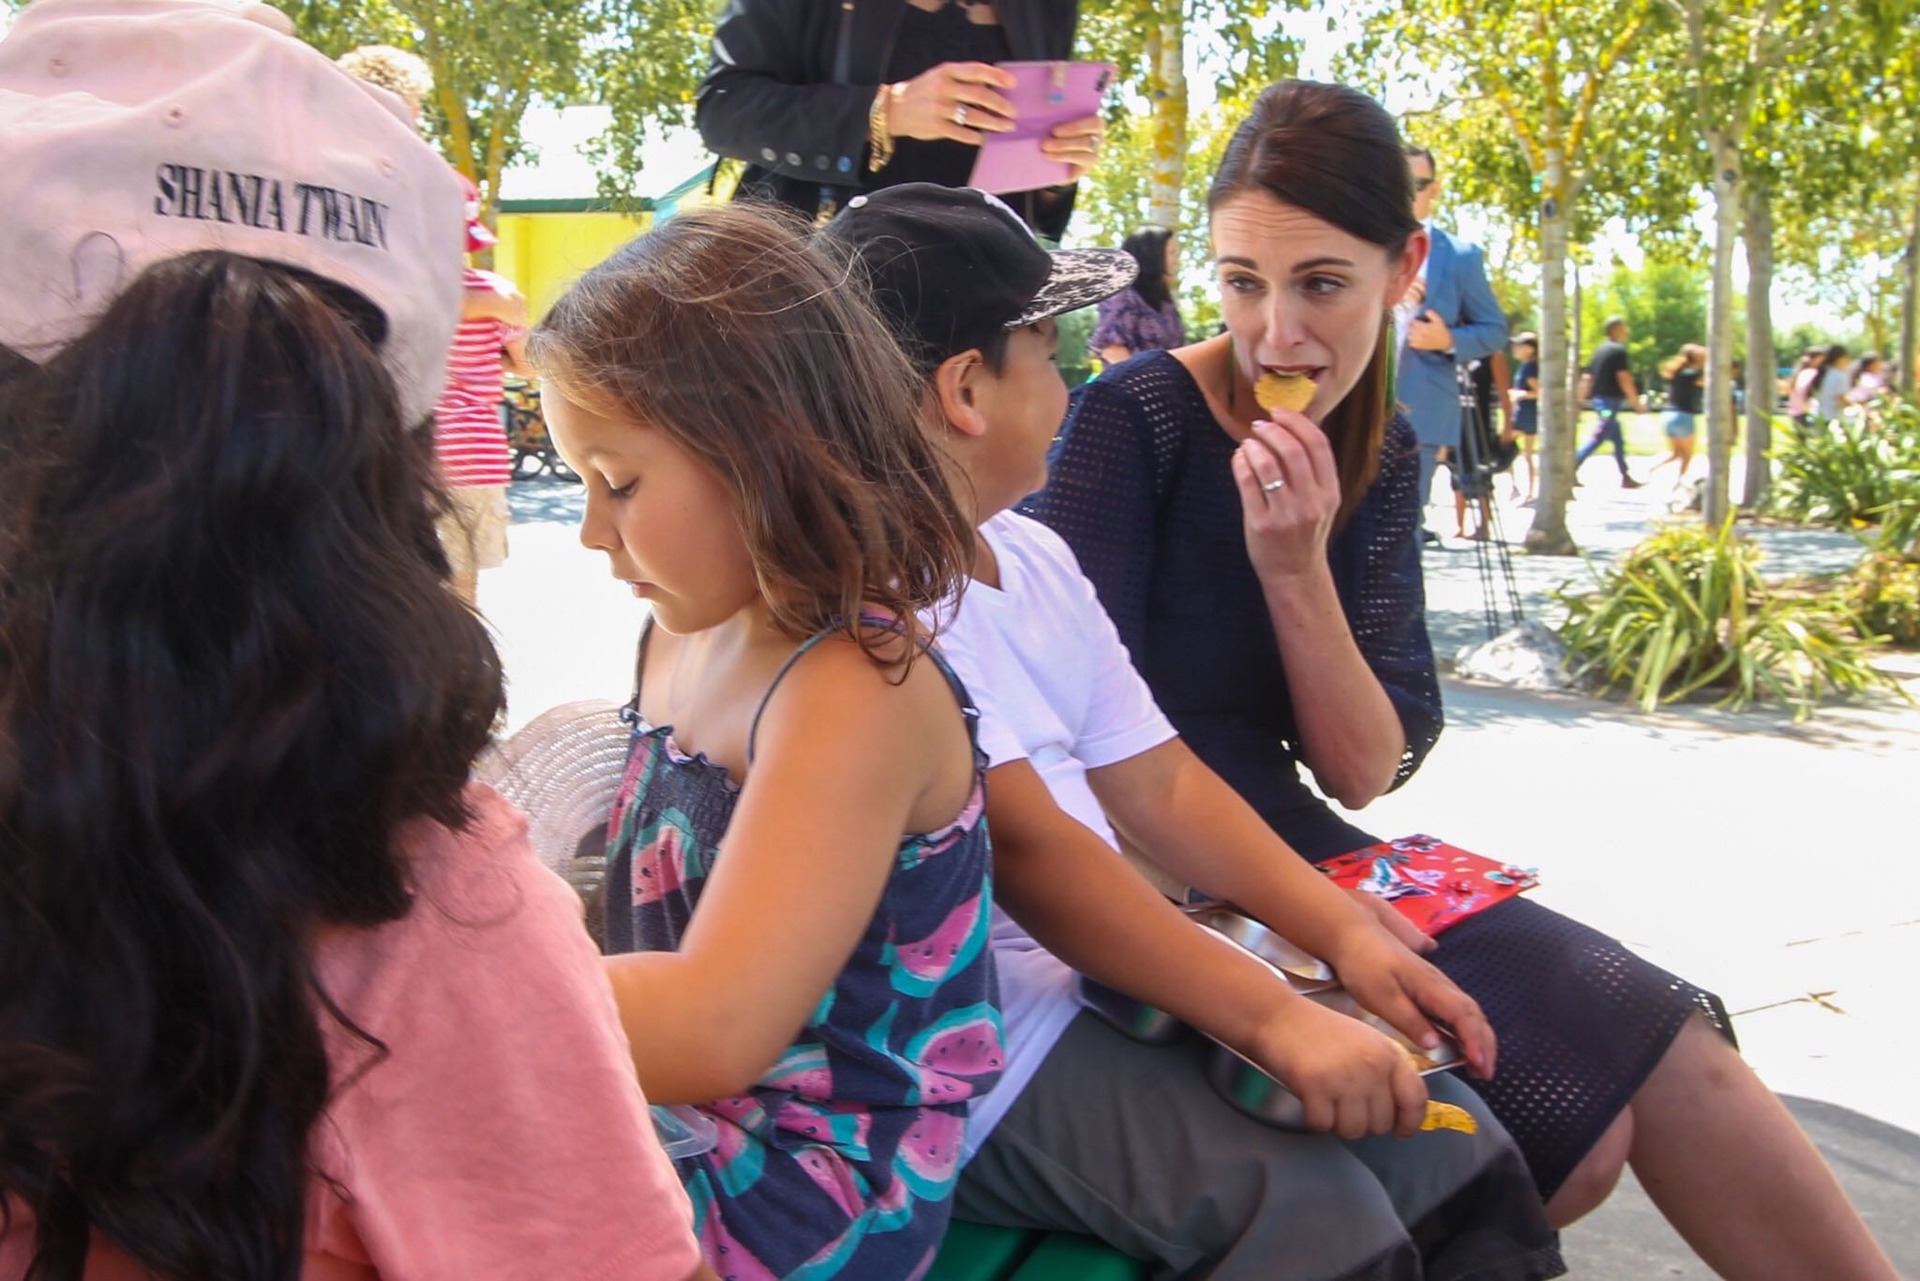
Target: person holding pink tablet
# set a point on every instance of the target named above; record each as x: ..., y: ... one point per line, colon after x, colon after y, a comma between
x: 824, y: 102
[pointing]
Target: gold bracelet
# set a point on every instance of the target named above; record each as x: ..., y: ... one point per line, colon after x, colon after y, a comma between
x: 879, y: 137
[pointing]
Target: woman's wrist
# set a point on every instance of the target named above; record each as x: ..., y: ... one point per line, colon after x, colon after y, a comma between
x: 1310, y: 583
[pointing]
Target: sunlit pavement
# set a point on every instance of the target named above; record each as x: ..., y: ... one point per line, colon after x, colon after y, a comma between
x: 1772, y: 863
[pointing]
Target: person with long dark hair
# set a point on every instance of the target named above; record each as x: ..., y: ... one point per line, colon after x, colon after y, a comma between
x: 1143, y: 316
x: 1832, y: 384
x: 1264, y: 574
x: 281, y: 994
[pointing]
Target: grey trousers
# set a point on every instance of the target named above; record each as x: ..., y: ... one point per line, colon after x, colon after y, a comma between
x: 1130, y: 1144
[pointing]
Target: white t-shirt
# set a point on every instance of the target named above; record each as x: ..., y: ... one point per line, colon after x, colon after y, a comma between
x: 1054, y: 686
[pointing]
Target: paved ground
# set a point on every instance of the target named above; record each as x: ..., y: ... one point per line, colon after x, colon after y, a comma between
x: 1768, y: 861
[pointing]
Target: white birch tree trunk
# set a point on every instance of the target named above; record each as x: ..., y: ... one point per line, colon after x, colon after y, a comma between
x: 1760, y: 361
x: 1167, y: 87
x: 1724, y: 147
x: 1910, y: 304
x: 1548, y: 535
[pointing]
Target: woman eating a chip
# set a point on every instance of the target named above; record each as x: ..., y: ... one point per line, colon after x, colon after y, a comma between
x: 1246, y: 510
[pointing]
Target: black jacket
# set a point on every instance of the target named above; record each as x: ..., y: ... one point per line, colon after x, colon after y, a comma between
x: 791, y: 83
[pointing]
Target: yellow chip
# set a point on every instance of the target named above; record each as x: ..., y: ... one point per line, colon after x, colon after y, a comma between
x: 1284, y: 391
x: 1445, y: 1116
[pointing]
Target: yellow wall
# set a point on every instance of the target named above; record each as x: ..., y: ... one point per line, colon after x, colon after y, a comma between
x: 543, y: 252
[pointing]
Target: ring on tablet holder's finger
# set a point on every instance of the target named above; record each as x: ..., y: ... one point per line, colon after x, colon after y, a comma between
x: 1272, y: 485
x: 960, y: 114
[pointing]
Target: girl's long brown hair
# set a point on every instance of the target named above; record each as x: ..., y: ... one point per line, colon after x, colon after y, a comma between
x: 1335, y: 153
x: 727, y: 329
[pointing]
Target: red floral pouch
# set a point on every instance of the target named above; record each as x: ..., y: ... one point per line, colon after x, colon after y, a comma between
x: 1431, y: 883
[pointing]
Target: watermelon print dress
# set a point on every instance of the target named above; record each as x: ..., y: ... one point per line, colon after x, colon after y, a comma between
x: 841, y: 1160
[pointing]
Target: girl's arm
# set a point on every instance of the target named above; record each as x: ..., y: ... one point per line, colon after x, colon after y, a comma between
x: 1167, y: 804
x: 1085, y: 904
x: 844, y: 758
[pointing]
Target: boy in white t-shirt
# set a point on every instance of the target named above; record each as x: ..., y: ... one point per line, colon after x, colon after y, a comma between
x: 1090, y: 1131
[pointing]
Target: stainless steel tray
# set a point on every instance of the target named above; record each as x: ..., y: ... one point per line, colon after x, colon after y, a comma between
x: 1150, y: 1025
x: 1306, y: 973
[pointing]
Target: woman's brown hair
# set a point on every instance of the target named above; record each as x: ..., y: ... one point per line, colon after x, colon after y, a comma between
x: 727, y: 329
x: 1689, y: 354
x: 1335, y: 153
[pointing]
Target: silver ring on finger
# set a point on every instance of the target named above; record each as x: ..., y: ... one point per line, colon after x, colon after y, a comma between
x: 960, y: 114
x: 1272, y: 485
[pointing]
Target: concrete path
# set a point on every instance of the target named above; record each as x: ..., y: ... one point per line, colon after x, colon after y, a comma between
x: 1772, y: 863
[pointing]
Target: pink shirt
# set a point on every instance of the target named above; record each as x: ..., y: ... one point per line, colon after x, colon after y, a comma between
x: 503, y: 1134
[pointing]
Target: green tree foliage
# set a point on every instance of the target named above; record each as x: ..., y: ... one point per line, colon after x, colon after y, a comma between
x: 1151, y: 134
x: 489, y: 59
x: 492, y: 59
x: 1542, y: 110
x: 648, y: 74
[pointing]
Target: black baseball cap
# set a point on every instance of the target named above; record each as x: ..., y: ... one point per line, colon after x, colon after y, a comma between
x: 952, y: 266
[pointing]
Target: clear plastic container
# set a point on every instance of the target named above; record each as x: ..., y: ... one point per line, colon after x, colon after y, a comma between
x: 684, y: 1131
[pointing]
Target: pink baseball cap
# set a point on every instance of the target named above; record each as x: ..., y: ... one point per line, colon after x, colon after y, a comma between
x: 132, y: 131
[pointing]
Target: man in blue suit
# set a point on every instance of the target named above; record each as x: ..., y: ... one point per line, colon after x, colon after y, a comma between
x: 1449, y: 317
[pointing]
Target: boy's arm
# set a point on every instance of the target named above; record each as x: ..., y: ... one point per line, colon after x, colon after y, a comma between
x: 1085, y: 904
x: 1166, y: 803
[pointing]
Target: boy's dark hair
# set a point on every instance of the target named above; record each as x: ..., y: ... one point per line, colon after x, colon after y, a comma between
x: 760, y: 354
x: 952, y: 270
x: 230, y: 669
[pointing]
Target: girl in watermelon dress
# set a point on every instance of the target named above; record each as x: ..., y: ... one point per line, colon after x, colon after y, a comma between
x: 797, y: 898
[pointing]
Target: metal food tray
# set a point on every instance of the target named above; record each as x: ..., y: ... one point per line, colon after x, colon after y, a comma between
x: 1306, y: 973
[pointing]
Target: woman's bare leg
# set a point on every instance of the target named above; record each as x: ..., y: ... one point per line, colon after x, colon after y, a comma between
x: 1729, y: 1167
x: 1593, y: 1180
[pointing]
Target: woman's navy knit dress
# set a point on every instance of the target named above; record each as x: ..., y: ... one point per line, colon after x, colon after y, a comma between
x: 1142, y: 490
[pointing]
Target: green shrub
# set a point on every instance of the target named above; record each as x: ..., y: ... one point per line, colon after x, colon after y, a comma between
x: 1883, y: 592
x: 1858, y: 473
x: 1685, y: 612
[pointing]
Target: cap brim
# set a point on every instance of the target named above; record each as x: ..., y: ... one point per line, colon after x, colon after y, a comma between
x: 1080, y: 278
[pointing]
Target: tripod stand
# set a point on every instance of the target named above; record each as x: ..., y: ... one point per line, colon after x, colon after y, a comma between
x: 1474, y: 467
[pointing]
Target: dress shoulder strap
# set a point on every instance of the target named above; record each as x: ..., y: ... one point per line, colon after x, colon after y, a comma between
x: 967, y: 708
x: 631, y: 712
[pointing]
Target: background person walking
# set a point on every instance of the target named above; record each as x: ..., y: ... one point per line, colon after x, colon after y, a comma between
x: 1608, y: 385
x: 1683, y: 373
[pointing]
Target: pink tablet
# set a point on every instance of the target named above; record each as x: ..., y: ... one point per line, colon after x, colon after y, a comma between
x: 1044, y: 94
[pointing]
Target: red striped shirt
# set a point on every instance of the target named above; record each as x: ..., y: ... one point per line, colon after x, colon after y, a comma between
x: 468, y: 436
